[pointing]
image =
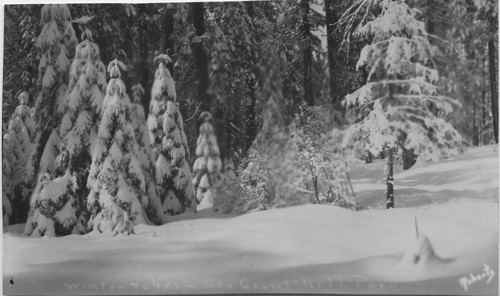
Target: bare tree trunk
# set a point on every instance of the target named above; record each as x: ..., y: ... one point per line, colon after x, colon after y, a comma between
x: 483, y: 123
x: 493, y: 81
x: 333, y: 67
x: 475, y: 129
x: 201, y: 56
x: 390, y: 178
x: 167, y: 29
x: 250, y: 123
x: 409, y: 158
x: 307, y: 52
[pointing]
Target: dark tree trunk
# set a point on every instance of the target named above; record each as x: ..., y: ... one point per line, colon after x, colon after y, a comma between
x: 390, y: 163
x: 475, y: 129
x: 250, y: 123
x: 493, y: 78
x: 390, y: 178
x: 144, y: 67
x: 331, y: 19
x: 145, y: 78
x: 201, y: 56
x: 409, y: 158
x: 167, y: 29
x: 307, y: 52
x: 483, y: 123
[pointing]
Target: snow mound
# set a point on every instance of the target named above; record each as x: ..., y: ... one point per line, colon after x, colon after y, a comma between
x: 419, y: 253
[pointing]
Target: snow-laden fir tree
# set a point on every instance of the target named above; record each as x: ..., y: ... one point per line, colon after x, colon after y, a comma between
x: 207, y: 166
x: 6, y: 205
x: 56, y: 43
x: 166, y: 130
x: 118, y: 192
x: 145, y: 152
x: 58, y: 202
x: 400, y: 105
x: 17, y: 148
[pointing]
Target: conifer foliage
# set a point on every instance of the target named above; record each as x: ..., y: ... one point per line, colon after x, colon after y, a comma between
x: 145, y: 153
x: 400, y: 105
x: 17, y: 147
x: 56, y: 42
x: 58, y: 205
x: 166, y: 130
x: 208, y: 165
x: 117, y: 181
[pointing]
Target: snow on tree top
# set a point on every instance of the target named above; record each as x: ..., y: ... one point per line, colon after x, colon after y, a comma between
x: 87, y: 50
x: 162, y: 59
x: 206, y: 116
x: 58, y: 12
x: 83, y: 20
x: 23, y: 98
x: 137, y: 93
x: 114, y: 68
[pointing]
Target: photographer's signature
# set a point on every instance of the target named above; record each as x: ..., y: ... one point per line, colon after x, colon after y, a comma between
x: 487, y: 275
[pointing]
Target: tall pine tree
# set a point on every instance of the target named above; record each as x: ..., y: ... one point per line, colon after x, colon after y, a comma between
x: 57, y: 206
x: 56, y: 43
x: 166, y: 130
x: 145, y: 153
x: 400, y: 105
x: 208, y: 165
x: 17, y: 147
x: 118, y: 196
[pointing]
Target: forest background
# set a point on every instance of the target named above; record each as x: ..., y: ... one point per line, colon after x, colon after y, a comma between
x: 256, y: 72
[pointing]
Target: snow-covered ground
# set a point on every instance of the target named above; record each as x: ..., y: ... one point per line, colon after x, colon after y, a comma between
x: 307, y: 249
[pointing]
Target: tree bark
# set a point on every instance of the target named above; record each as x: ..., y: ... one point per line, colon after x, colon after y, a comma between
x: 475, y: 129
x: 409, y: 158
x: 307, y: 52
x: 167, y: 29
x: 250, y: 123
x: 483, y: 122
x: 390, y: 178
x: 493, y: 77
x: 333, y: 67
x: 201, y: 56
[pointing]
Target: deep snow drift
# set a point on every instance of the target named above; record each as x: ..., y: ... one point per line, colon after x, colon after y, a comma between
x: 309, y: 249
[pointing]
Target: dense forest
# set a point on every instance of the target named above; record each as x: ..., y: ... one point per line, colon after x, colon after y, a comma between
x: 119, y: 114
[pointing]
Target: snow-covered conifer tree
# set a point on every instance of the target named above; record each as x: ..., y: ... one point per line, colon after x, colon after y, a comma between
x: 6, y: 188
x: 17, y: 147
x: 145, y: 152
x: 118, y: 196
x: 166, y: 130
x: 56, y: 43
x: 58, y: 205
x: 208, y: 165
x: 400, y: 105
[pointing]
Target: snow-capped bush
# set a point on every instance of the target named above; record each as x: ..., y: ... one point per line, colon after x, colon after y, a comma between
x: 166, y: 130
x: 321, y: 165
x: 207, y: 166
x: 69, y: 146
x: 118, y: 185
x: 53, y: 206
x: 227, y: 191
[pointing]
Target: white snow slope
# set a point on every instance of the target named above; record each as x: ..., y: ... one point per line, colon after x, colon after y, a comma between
x: 306, y: 249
